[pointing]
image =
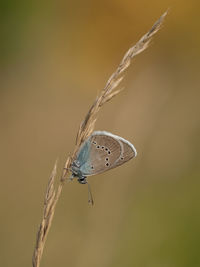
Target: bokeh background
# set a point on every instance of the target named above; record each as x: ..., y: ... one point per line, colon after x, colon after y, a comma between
x: 55, y: 57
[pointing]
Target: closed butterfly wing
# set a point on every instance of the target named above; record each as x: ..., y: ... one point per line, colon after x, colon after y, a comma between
x: 104, y: 152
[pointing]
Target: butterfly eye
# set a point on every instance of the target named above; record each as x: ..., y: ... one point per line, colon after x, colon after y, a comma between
x: 98, y: 146
x: 94, y: 142
x: 107, y: 164
x: 109, y: 152
x: 106, y: 158
x: 102, y: 147
x: 122, y: 158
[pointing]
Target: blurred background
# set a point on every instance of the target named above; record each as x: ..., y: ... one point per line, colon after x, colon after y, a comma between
x: 55, y: 57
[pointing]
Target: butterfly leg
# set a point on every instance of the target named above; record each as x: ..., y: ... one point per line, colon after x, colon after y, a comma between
x: 68, y: 169
x: 70, y: 178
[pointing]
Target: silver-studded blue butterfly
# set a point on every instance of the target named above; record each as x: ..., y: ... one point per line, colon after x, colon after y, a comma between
x: 100, y: 152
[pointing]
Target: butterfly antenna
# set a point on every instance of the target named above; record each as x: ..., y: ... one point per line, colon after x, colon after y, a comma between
x: 90, y: 198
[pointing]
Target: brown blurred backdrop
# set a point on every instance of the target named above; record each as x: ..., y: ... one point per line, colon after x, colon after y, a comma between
x: 55, y: 57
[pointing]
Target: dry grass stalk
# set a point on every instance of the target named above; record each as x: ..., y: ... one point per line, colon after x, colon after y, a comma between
x: 85, y: 129
x: 50, y: 202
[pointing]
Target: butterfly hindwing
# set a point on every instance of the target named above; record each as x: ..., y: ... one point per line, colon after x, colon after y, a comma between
x: 103, y: 151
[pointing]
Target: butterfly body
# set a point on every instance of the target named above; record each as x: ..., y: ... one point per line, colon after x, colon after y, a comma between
x: 100, y: 152
x: 76, y: 172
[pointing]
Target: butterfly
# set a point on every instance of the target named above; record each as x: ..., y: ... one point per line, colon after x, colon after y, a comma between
x: 100, y: 152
